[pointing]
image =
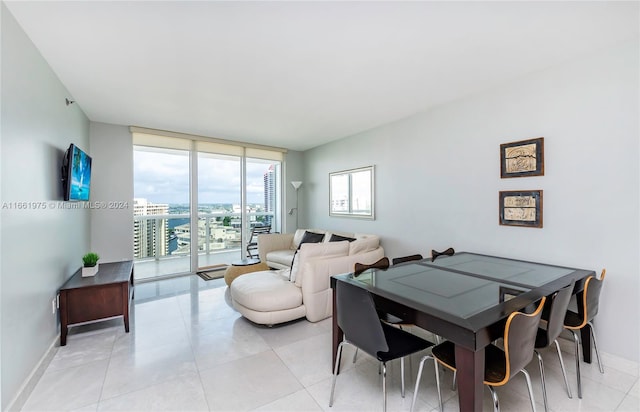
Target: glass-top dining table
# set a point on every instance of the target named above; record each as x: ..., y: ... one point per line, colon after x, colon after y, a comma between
x: 465, y: 298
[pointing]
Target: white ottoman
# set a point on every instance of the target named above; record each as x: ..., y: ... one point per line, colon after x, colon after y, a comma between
x: 267, y: 297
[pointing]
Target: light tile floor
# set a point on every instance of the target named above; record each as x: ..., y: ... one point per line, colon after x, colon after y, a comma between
x: 188, y: 350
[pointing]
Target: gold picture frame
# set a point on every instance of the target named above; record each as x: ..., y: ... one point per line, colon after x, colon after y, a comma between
x: 520, y: 208
x: 523, y: 158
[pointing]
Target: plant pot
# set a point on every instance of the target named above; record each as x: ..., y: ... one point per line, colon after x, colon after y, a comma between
x: 89, y: 271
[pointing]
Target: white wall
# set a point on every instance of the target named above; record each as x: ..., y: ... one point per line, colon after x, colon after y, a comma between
x: 42, y: 242
x: 438, y: 178
x: 293, y: 171
x: 112, y: 189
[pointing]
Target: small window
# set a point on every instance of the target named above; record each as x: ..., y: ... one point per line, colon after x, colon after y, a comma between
x: 351, y: 193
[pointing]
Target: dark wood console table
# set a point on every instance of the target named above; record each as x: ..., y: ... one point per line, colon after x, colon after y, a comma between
x: 105, y: 295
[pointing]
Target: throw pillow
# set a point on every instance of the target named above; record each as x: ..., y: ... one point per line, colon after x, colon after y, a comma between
x: 338, y: 238
x: 311, y: 237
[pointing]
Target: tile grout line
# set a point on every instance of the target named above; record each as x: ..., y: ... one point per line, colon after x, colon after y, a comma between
x: 190, y: 339
x: 106, y: 371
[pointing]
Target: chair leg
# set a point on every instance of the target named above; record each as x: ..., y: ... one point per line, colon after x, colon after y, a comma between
x: 402, y: 376
x: 544, y: 386
x: 576, y: 342
x: 595, y: 346
x: 437, y: 367
x: 415, y: 390
x: 494, y: 396
x: 533, y: 402
x: 335, y: 371
x: 402, y: 364
x: 384, y: 387
x: 564, y: 372
x: 454, y: 382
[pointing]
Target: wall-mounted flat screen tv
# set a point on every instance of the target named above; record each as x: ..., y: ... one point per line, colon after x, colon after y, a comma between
x: 76, y: 174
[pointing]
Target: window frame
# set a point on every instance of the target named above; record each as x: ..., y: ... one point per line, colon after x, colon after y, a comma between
x: 341, y: 196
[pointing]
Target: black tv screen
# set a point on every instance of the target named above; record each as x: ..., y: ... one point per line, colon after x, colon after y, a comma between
x: 76, y: 173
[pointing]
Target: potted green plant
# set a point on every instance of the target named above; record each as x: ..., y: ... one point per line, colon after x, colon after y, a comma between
x: 90, y: 267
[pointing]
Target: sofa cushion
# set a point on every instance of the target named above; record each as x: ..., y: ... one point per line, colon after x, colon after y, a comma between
x: 309, y: 237
x: 284, y: 257
x: 266, y: 291
x: 364, y: 244
x: 324, y: 250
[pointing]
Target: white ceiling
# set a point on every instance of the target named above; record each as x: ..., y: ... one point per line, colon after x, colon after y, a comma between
x: 300, y: 74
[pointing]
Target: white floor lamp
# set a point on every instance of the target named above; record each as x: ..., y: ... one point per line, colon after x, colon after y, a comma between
x: 296, y: 185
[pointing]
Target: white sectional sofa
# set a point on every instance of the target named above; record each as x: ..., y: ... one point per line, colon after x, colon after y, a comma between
x: 277, y: 249
x: 281, y: 295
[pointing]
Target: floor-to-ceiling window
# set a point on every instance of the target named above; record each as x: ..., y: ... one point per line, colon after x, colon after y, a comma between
x: 196, y: 201
x: 161, y: 236
x: 219, y: 217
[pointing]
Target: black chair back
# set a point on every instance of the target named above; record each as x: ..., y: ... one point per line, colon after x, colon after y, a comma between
x: 559, y: 304
x: 358, y: 319
x: 383, y: 263
x: 520, y: 338
x: 403, y: 259
x: 448, y: 252
x: 593, y: 287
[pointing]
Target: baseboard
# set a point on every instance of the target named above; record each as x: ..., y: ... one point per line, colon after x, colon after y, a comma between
x: 34, y: 377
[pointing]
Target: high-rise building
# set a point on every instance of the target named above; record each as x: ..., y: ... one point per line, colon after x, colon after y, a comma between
x: 150, y: 236
x: 212, y: 235
x: 269, y: 194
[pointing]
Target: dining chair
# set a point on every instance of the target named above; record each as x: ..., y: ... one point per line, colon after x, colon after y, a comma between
x: 387, y: 317
x: 554, y: 317
x: 358, y: 319
x: 435, y: 254
x: 252, y: 244
x: 499, y: 364
x: 403, y: 259
x: 382, y: 263
x: 587, y: 310
x: 358, y: 268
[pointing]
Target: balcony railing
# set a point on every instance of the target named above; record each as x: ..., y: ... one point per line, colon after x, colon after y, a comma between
x: 163, y: 243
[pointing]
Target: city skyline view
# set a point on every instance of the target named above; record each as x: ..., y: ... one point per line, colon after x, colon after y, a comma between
x: 163, y: 216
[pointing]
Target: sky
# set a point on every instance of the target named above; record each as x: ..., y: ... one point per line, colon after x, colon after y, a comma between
x: 164, y: 178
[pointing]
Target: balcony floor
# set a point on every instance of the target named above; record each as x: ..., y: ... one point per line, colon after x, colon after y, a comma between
x: 180, y: 265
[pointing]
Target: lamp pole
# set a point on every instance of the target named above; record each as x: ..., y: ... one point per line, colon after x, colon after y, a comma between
x: 296, y: 185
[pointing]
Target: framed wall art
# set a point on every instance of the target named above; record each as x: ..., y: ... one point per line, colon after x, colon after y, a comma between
x: 521, y: 208
x: 523, y: 158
